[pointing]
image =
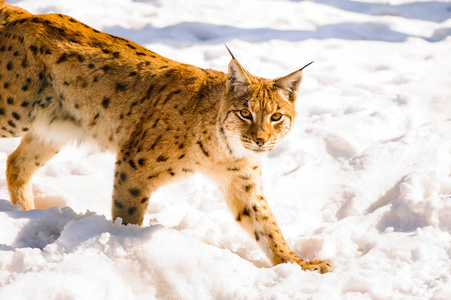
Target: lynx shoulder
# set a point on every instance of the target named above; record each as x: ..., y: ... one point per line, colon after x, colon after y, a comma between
x: 62, y: 81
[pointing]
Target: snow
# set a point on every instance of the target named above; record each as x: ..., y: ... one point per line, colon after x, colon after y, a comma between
x: 364, y: 178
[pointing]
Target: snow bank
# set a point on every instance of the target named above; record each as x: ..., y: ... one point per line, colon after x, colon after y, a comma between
x: 364, y: 178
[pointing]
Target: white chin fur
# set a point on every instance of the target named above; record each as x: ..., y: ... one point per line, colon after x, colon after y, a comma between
x: 240, y: 151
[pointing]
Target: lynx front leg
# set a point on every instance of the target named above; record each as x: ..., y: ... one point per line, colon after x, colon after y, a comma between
x: 31, y: 154
x: 244, y: 198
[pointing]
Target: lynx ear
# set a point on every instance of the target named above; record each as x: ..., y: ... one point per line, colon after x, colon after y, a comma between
x: 290, y: 83
x: 237, y: 76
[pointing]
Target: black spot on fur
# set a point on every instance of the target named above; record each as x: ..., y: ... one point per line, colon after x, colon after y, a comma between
x: 10, y: 100
x: 248, y: 187
x: 11, y: 123
x: 6, y: 85
x: 162, y: 158
x: 161, y: 89
x: 244, y: 177
x: 9, y: 66
x: 121, y: 87
x: 133, y: 104
x: 246, y: 212
x: 123, y: 176
x: 133, y: 73
x: 118, y: 204
x: 2, y: 111
x: 201, y: 145
x: 144, y: 200
x: 150, y: 90
x: 156, y: 122
x: 233, y: 169
x: 257, y: 237
x: 24, y: 104
x: 106, y: 68
x: 25, y: 88
x: 156, y: 142
x: 131, y: 210
x: 134, y: 192
x: 141, y: 161
x: 181, y: 156
x: 34, y: 49
x: 24, y: 63
x: 169, y: 73
x: 91, y: 66
x: 80, y: 58
x: 132, y: 164
x: 16, y: 115
x: 106, y: 102
x: 62, y: 58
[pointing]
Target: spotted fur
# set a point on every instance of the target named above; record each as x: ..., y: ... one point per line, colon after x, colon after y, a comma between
x: 63, y: 81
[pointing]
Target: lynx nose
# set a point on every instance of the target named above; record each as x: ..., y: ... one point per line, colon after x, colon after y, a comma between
x: 260, y: 142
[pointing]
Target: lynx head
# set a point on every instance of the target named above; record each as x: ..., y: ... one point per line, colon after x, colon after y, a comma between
x: 256, y: 112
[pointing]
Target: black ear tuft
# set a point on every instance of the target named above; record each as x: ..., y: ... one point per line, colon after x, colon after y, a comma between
x: 230, y: 52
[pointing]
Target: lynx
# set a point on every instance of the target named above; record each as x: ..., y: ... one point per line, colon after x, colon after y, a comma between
x: 62, y: 81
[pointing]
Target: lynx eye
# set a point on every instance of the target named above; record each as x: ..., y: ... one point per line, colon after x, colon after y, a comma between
x: 276, y: 117
x: 246, y: 114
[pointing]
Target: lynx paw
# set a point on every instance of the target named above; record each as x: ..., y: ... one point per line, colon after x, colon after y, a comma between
x: 322, y: 266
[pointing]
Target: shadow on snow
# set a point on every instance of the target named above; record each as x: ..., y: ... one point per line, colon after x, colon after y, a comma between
x: 433, y: 11
x: 189, y: 33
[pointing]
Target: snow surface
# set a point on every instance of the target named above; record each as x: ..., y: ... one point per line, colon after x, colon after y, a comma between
x: 364, y: 178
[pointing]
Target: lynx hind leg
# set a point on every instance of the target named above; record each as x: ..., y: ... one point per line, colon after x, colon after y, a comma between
x: 131, y: 193
x: 31, y: 154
